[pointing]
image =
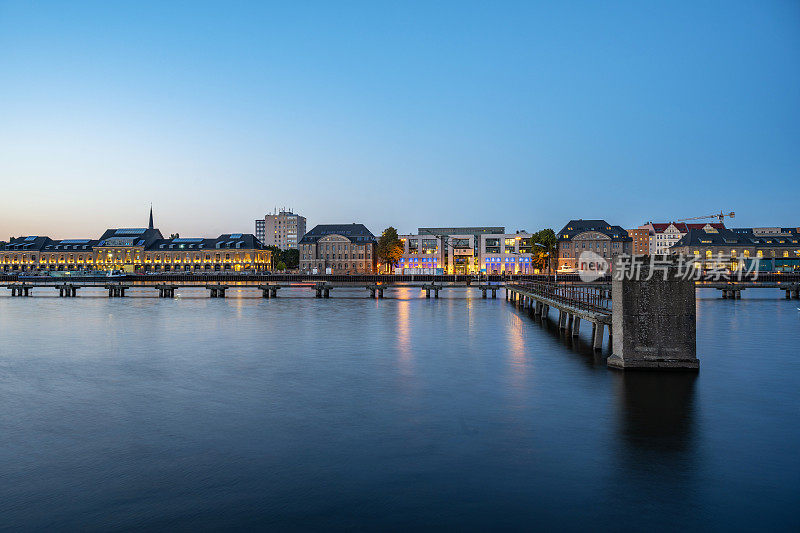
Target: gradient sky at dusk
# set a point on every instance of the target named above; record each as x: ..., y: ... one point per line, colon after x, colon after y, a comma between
x: 396, y: 113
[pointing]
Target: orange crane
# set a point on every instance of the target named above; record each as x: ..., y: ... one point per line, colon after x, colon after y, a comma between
x: 720, y: 216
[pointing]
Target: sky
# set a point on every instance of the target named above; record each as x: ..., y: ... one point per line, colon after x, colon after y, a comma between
x: 409, y: 114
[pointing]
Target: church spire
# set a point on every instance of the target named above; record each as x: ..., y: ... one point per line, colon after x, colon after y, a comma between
x: 150, y: 226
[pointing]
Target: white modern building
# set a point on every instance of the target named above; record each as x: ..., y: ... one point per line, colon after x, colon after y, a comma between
x: 467, y: 251
x: 283, y: 229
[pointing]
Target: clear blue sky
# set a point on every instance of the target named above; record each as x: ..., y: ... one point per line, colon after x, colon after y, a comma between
x: 396, y: 113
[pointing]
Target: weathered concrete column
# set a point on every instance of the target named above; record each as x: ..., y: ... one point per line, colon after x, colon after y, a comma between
x: 483, y: 293
x: 494, y: 293
x: 653, y: 320
x: 576, y: 327
x: 570, y: 320
x: 597, y: 340
x: 788, y: 294
x: 326, y: 293
x: 380, y: 293
x: 427, y: 293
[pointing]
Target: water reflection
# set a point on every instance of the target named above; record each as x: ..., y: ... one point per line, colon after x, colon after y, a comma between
x: 656, y: 409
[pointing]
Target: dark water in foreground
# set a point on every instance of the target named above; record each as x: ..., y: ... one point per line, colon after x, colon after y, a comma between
x: 459, y: 413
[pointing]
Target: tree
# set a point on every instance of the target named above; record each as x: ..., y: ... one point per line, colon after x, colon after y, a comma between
x: 390, y: 247
x: 291, y: 257
x: 545, y: 245
x: 280, y: 265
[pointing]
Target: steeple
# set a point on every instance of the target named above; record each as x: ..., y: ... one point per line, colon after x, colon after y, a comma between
x: 150, y: 226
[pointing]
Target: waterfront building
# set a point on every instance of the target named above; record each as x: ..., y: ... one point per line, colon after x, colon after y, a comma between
x: 338, y: 249
x: 476, y: 250
x: 283, y: 229
x: 136, y: 250
x: 776, y: 248
x: 641, y: 241
x: 664, y: 235
x: 596, y: 236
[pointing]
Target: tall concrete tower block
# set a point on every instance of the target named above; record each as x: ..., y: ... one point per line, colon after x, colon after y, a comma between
x: 654, y: 321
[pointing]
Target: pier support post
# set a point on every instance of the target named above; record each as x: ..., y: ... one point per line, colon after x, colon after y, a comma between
x: 494, y: 294
x: 570, y: 321
x: 597, y: 341
x: 326, y: 293
x: 788, y: 294
x: 576, y: 327
x: 653, y: 319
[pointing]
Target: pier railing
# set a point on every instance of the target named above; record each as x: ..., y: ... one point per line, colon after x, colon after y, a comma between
x: 570, y: 293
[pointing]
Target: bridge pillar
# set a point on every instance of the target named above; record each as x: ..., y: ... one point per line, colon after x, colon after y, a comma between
x: 380, y: 294
x: 319, y: 293
x: 724, y: 294
x: 653, y: 320
x: 576, y: 327
x: 494, y: 294
x: 788, y: 294
x: 427, y: 293
x: 570, y: 321
x: 597, y: 335
x: 483, y: 293
x: 796, y: 294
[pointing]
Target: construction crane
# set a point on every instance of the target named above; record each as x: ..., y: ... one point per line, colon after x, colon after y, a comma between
x: 720, y: 216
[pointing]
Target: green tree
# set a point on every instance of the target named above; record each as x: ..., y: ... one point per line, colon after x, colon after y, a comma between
x: 390, y: 247
x: 544, y: 244
x: 291, y: 258
x: 280, y: 265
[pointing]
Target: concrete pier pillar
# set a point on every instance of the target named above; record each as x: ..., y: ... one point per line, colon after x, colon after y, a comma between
x: 494, y: 294
x: 576, y: 327
x: 318, y: 293
x: 597, y: 341
x: 380, y: 293
x: 436, y: 293
x: 570, y: 320
x: 796, y: 294
x: 724, y: 294
x: 372, y: 293
x: 788, y: 294
x: 427, y: 293
x: 653, y: 319
x: 326, y: 293
x: 483, y: 293
x: 739, y: 295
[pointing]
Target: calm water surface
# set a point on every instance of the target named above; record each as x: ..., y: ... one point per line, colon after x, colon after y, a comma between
x: 460, y: 413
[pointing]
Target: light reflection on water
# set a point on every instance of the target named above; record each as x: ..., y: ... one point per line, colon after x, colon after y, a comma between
x: 404, y: 412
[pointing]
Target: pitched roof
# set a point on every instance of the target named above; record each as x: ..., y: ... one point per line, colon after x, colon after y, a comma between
x: 683, y: 227
x: 575, y: 227
x: 738, y: 236
x: 355, y: 232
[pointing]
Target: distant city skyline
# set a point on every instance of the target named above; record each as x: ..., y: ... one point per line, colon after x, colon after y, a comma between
x: 523, y: 114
